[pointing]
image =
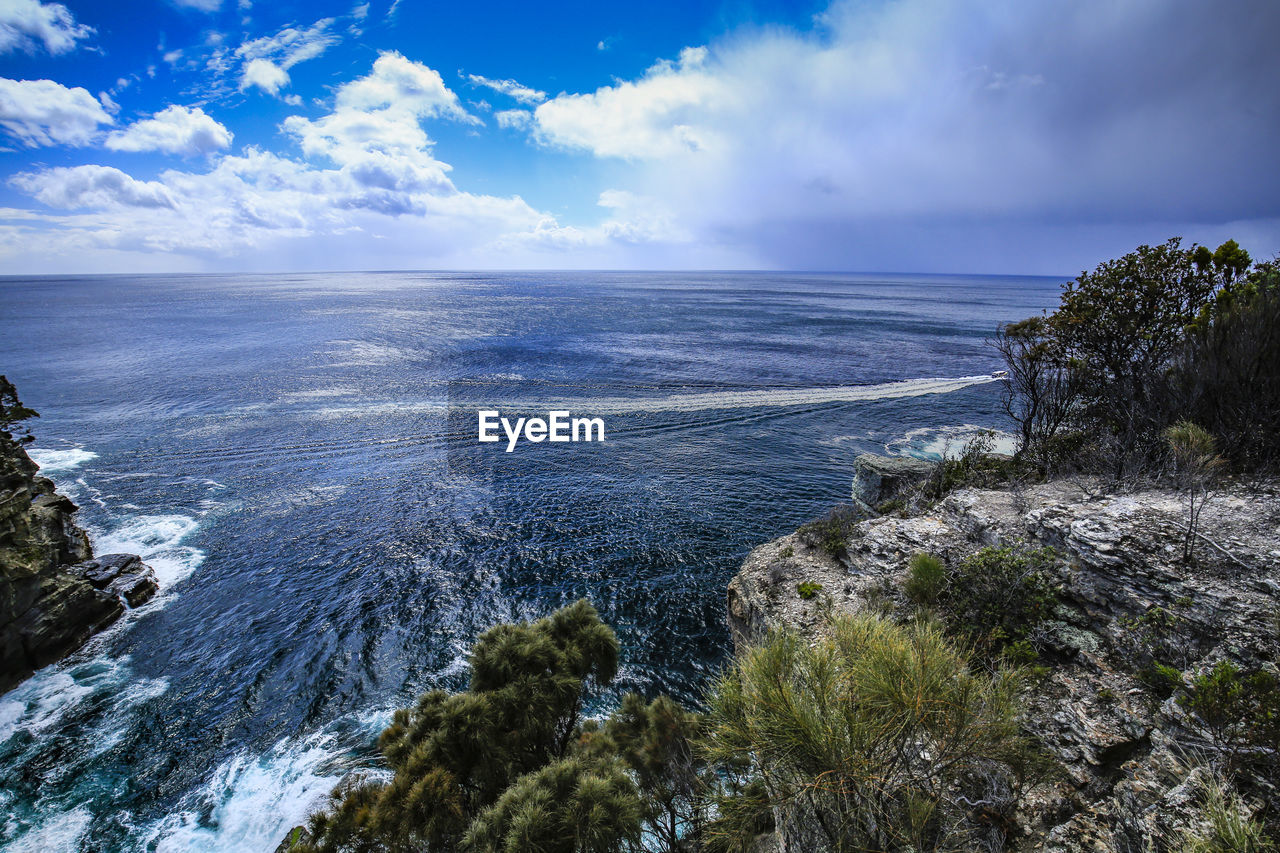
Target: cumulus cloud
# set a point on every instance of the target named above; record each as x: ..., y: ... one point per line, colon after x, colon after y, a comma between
x: 92, y: 186
x: 173, y: 130
x: 368, y: 191
x: 666, y: 112
x: 42, y: 112
x: 30, y: 25
x: 510, y: 88
x: 950, y: 122
x: 264, y: 74
x: 375, y: 135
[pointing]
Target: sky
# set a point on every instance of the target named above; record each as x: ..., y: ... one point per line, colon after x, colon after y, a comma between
x: 937, y: 136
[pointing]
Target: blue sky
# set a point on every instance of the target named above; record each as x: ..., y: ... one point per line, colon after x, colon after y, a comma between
x: 903, y: 135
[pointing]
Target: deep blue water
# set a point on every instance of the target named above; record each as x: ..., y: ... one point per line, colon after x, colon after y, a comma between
x: 297, y: 457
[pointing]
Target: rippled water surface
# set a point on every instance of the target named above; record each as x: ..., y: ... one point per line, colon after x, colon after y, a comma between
x: 297, y: 458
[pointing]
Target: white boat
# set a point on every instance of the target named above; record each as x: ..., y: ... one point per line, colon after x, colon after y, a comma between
x: 999, y: 374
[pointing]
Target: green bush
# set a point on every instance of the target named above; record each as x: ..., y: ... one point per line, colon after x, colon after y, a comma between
x: 808, y: 589
x: 1162, y: 679
x: 999, y: 595
x: 1159, y: 335
x: 873, y: 738
x: 926, y: 576
x: 1239, y: 711
x: 569, y: 806
x: 655, y: 743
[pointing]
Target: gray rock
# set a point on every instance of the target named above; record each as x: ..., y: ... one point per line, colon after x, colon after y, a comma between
x: 1123, y: 773
x: 53, y: 595
x: 877, y: 479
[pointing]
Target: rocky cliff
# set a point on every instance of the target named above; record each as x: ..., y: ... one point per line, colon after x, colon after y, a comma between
x: 53, y: 594
x: 1125, y: 780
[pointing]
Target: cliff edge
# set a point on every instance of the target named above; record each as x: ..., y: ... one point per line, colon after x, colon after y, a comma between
x: 1123, y: 780
x: 53, y: 594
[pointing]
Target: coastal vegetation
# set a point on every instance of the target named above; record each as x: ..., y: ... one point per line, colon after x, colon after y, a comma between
x: 881, y: 736
x: 1142, y: 352
x: 904, y: 724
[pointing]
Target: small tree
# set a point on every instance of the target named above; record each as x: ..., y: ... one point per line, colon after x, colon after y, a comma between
x: 454, y: 755
x: 1195, y: 465
x: 1042, y: 389
x: 877, y: 737
x: 1123, y: 324
x: 13, y: 413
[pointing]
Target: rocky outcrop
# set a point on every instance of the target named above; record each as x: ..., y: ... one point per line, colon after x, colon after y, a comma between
x: 1124, y: 781
x: 53, y: 594
x: 877, y: 479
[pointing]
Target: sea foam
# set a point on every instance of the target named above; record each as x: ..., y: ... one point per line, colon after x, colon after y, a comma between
x: 52, y: 461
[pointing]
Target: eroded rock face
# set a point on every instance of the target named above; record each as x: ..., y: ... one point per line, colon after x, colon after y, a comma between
x: 1123, y: 783
x: 877, y: 479
x: 53, y: 595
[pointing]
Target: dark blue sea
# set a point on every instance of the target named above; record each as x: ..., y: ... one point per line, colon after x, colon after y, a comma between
x: 296, y: 456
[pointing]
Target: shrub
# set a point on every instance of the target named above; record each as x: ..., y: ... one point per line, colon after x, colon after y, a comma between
x: 831, y: 533
x: 1160, y: 636
x: 1159, y: 335
x: 925, y: 578
x: 655, y: 742
x: 1195, y: 463
x: 808, y: 589
x: 1163, y: 680
x: 998, y: 596
x: 1239, y: 711
x: 876, y: 737
x: 569, y: 806
x: 1225, y: 378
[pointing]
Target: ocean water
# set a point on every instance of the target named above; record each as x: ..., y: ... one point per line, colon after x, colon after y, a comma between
x: 296, y: 456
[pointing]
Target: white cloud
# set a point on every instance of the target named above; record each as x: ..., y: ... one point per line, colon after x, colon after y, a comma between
x: 291, y: 45
x: 374, y: 134
x: 945, y: 123
x: 264, y: 74
x: 201, y: 5
x: 516, y: 119
x: 173, y: 130
x: 92, y: 186
x: 399, y: 85
x: 371, y: 193
x: 42, y: 112
x: 510, y: 88
x: 666, y: 112
x: 29, y: 24
x: 267, y: 60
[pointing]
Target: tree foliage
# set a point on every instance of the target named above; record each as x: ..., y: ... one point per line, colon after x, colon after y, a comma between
x: 454, y: 755
x: 878, y: 737
x: 1159, y: 335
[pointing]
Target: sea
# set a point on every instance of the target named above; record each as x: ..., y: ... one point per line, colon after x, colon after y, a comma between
x: 297, y: 458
